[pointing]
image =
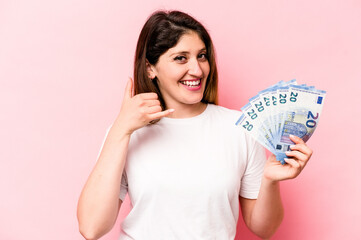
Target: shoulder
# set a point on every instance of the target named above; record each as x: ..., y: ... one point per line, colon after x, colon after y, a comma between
x: 219, y: 108
x: 228, y: 116
x: 224, y: 119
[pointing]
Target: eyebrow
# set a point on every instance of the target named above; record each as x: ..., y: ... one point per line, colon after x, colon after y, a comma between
x: 185, y: 52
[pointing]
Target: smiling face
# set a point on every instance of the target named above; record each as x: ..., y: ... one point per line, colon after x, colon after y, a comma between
x: 182, y: 72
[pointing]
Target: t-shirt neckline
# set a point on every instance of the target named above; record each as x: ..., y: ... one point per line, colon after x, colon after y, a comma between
x: 198, y: 117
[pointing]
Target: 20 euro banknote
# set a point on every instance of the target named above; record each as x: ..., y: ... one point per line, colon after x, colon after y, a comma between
x: 280, y: 110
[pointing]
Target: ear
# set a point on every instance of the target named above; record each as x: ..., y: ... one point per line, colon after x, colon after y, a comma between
x: 150, y: 70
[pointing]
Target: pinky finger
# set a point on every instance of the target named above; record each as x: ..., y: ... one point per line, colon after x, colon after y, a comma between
x: 161, y: 114
x: 292, y: 162
x: 154, y: 109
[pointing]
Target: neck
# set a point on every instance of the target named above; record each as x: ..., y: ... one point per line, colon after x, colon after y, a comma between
x: 187, y: 110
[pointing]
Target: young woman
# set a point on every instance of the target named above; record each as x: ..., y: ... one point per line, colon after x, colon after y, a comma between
x: 179, y: 156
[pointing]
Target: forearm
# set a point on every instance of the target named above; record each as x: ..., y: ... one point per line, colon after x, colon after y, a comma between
x: 267, y: 213
x: 99, y: 201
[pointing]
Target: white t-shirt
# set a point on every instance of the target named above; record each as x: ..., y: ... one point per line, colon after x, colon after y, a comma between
x: 184, y: 177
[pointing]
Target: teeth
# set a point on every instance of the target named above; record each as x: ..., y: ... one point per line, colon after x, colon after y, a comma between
x: 191, y: 83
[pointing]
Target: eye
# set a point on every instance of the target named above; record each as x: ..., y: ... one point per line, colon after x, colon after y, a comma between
x: 180, y: 58
x: 203, y: 56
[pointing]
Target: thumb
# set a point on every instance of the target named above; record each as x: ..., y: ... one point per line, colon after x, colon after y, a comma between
x: 129, y: 89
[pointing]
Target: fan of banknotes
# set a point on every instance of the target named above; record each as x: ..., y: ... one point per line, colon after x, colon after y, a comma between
x: 280, y: 110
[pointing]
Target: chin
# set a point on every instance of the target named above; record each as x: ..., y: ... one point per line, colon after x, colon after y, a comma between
x: 192, y: 102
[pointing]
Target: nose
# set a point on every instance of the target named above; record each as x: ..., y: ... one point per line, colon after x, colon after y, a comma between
x: 195, y: 68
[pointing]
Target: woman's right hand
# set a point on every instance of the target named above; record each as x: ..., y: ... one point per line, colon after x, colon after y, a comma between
x: 137, y: 111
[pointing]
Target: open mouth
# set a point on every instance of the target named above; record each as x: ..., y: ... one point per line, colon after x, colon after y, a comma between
x: 191, y: 83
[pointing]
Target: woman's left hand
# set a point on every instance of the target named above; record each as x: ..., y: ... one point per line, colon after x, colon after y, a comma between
x: 296, y: 161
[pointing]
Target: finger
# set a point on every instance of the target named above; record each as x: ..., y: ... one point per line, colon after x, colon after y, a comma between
x: 129, y: 89
x: 298, y: 156
x: 292, y: 162
x: 296, y: 139
x: 303, y: 148
x: 161, y: 114
x: 152, y: 103
x: 147, y: 96
x: 153, y: 109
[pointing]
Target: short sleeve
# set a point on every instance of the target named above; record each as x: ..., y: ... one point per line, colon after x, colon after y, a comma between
x: 251, y: 180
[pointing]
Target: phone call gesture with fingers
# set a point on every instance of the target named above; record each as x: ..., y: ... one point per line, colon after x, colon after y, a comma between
x: 139, y: 110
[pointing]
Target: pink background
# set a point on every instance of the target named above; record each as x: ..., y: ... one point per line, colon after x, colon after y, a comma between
x: 63, y: 68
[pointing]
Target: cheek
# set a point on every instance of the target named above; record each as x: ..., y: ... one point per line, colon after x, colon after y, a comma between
x: 206, y: 68
x: 171, y: 73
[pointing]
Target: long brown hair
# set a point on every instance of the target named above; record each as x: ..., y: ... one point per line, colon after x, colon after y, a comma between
x: 162, y: 31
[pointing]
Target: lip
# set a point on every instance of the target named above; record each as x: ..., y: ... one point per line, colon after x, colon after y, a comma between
x: 193, y: 88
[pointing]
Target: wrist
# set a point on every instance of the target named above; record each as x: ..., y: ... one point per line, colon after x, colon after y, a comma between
x: 119, y: 133
x: 269, y: 181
